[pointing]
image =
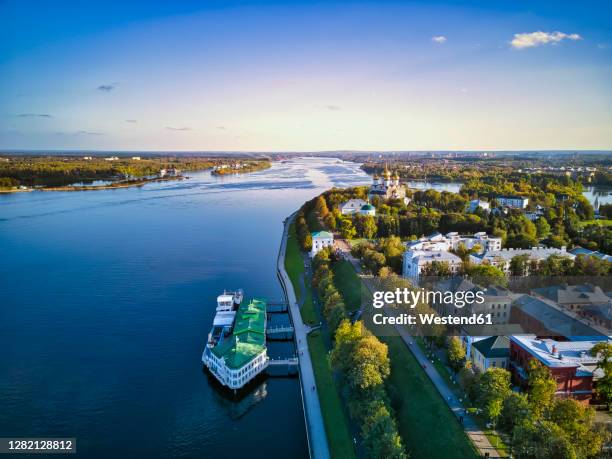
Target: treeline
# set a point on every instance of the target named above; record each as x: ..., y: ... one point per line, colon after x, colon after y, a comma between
x: 539, y: 425
x: 58, y: 171
x: 363, y: 363
x: 562, y: 209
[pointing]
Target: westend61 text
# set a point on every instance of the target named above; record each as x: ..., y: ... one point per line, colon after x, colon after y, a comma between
x: 432, y: 319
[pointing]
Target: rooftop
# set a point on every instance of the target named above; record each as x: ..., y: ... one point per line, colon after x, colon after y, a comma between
x: 322, y: 235
x: 560, y: 354
x: 574, y: 294
x: 249, y: 337
x: 493, y: 347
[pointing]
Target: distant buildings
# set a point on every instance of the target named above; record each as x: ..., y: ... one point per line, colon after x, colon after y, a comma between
x: 491, y: 352
x: 136, y: 158
x: 352, y: 206
x: 453, y: 240
x: 502, y: 258
x: 111, y: 158
x: 320, y: 240
x: 569, y: 362
x: 357, y: 206
x: 477, y: 203
x: 87, y: 158
x: 517, y: 202
x: 416, y: 261
x: 387, y: 188
x: 590, y: 253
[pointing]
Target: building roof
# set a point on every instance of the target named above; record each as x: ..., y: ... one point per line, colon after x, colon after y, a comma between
x: 368, y: 207
x: 553, y: 319
x: 574, y: 294
x: 322, y: 235
x: 423, y: 256
x: 493, y: 347
x: 248, y: 339
x: 353, y: 203
x: 561, y: 354
x: 590, y: 253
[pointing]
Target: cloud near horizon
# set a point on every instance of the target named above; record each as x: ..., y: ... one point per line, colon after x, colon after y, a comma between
x: 333, y: 108
x: 131, y: 121
x: 530, y: 40
x: 89, y: 133
x: 34, y: 115
x: 106, y: 87
x: 440, y: 39
x: 172, y: 128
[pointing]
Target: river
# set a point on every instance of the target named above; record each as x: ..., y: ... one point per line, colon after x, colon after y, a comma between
x: 107, y: 298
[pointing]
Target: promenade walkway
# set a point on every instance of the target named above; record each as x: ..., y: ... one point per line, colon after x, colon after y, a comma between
x: 317, y: 439
x: 470, y: 426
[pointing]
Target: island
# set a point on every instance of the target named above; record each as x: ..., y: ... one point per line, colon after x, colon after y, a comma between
x: 23, y: 173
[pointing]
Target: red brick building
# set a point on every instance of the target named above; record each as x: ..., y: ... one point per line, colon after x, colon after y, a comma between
x: 568, y: 361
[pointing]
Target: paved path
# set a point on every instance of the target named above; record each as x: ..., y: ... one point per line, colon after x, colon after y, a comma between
x: 469, y: 424
x: 315, y: 428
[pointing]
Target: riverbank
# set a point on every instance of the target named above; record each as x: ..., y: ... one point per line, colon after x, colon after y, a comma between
x: 315, y: 428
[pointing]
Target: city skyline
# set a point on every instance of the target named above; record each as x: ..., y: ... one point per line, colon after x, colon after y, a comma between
x: 275, y: 76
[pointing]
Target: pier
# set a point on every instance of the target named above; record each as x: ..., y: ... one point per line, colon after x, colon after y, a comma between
x: 278, y: 307
x: 280, y: 333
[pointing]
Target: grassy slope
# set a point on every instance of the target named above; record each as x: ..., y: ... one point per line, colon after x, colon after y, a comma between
x: 348, y: 284
x: 293, y: 261
x: 336, y: 426
x: 428, y: 428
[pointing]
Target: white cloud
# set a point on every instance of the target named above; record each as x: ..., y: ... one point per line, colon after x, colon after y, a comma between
x: 529, y: 40
x: 438, y: 39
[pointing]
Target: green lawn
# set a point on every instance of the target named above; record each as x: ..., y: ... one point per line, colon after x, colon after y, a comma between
x: 348, y: 283
x: 427, y: 427
x: 334, y: 417
x: 309, y: 314
x: 293, y: 261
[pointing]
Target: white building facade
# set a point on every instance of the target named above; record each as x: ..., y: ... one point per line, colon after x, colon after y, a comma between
x: 320, y: 240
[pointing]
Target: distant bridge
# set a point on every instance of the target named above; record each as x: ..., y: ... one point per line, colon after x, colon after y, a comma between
x: 280, y: 333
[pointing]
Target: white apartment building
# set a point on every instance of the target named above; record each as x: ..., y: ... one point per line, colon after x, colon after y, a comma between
x: 476, y: 203
x: 518, y: 202
x: 415, y: 261
x: 320, y: 240
x: 439, y: 242
x: 352, y: 206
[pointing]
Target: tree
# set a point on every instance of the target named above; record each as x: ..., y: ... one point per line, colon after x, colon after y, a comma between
x: 486, y: 275
x: 374, y: 261
x: 541, y: 440
x: 379, y: 433
x: 576, y: 420
x: 321, y: 207
x: 370, y: 364
x: 515, y: 410
x: 519, y: 265
x: 493, y: 388
x: 347, y: 230
x: 436, y: 269
x: 330, y: 222
x: 603, y: 351
x: 542, y: 228
x: 369, y: 227
x: 456, y: 353
x: 541, y: 388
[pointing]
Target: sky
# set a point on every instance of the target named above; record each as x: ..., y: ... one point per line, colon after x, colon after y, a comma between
x: 306, y: 76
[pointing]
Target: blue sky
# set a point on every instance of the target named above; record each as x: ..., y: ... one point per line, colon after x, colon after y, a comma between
x: 305, y: 76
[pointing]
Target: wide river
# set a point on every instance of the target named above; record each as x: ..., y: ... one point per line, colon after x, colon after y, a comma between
x: 106, y: 299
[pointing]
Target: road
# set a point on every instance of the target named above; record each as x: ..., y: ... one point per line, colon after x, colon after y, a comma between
x: 315, y: 427
x: 470, y: 426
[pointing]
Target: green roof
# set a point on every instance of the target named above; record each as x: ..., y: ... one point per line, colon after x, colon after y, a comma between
x: 248, y: 339
x: 325, y: 234
x: 367, y: 207
x: 493, y: 347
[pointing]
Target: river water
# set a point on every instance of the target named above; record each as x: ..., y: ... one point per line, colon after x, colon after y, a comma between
x: 107, y: 298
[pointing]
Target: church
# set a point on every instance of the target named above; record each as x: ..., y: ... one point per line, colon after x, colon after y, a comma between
x: 386, y: 187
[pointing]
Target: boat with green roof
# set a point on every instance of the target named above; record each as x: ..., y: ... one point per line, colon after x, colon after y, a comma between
x: 236, y: 350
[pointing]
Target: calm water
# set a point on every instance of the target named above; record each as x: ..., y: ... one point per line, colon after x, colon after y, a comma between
x: 107, y: 298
